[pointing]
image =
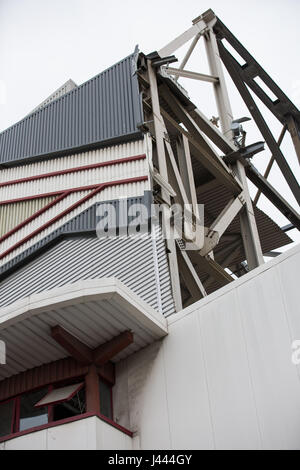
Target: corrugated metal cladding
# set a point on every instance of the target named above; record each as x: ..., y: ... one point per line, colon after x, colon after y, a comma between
x: 85, y: 221
x: 13, y: 214
x: 131, y: 260
x: 84, y: 177
x: 107, y: 173
x: 106, y: 108
x: 141, y: 264
x: 111, y: 192
x: 113, y: 152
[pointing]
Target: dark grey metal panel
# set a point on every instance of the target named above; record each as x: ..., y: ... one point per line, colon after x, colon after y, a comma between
x: 103, y: 110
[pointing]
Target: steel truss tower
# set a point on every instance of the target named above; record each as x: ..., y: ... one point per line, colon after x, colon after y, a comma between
x: 187, y: 169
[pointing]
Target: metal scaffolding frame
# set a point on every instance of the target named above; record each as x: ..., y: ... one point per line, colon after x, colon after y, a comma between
x: 170, y: 114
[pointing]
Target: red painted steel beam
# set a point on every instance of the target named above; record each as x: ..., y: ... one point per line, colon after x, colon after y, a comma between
x: 92, y: 390
x: 50, y: 222
x: 78, y: 350
x: 34, y: 216
x: 86, y: 356
x: 107, y: 351
x: 97, y: 189
x: 52, y: 194
x: 74, y: 170
x: 58, y: 193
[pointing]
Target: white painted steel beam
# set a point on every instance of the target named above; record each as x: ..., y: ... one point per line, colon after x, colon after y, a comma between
x: 186, y: 171
x: 182, y: 39
x: 189, y: 52
x: 193, y: 75
x: 160, y: 146
x: 227, y: 215
x: 207, y: 155
x: 249, y: 230
x: 190, y: 276
x: 220, y: 225
x: 221, y: 94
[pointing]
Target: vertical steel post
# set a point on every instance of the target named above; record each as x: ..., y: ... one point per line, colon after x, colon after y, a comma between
x: 160, y: 146
x: 92, y: 390
x: 249, y: 230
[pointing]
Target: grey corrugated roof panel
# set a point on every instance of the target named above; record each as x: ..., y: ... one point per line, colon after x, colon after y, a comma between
x: 104, y: 110
x: 85, y: 222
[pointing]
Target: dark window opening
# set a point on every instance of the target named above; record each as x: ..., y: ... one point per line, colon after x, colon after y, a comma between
x: 73, y: 407
x: 29, y: 415
x: 6, y: 416
x: 105, y: 399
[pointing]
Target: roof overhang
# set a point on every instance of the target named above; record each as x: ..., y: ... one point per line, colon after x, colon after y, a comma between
x: 94, y: 311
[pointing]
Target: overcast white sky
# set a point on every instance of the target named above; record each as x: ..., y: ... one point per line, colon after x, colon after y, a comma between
x: 43, y: 43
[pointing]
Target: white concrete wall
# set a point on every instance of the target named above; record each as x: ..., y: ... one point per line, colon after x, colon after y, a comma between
x: 223, y: 378
x: 86, y: 434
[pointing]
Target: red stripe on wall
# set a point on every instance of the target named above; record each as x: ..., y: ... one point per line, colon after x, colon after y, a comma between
x: 52, y: 194
x: 69, y: 209
x: 74, y: 170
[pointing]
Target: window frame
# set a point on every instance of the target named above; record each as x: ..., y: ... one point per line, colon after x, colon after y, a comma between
x: 15, y: 422
x: 15, y: 428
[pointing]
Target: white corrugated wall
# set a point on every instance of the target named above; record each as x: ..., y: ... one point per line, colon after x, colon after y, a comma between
x: 75, y: 180
x: 122, y: 171
x: 12, y: 215
x: 113, y: 152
